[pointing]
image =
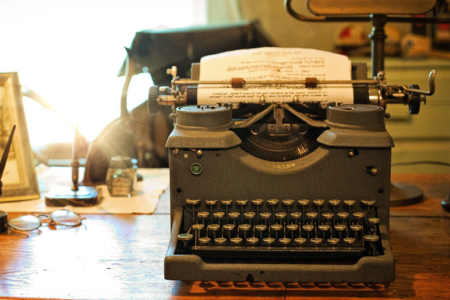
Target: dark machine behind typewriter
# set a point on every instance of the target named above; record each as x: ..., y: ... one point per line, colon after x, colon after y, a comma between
x: 283, y: 191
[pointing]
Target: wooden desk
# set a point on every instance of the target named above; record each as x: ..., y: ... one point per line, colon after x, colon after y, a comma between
x: 118, y: 257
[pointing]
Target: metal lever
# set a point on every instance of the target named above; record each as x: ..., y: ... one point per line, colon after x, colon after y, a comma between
x: 431, y: 78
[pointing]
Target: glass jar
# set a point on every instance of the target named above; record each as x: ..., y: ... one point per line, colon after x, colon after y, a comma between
x: 121, y: 176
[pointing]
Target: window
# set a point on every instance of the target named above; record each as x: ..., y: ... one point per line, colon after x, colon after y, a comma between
x: 70, y: 53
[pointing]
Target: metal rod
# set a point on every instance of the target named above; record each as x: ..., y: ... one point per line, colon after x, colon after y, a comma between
x: 206, y: 82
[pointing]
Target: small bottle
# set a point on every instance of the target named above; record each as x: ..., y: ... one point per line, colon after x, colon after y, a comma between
x: 121, y: 176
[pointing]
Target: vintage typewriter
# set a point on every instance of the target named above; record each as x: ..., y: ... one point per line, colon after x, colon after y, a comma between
x: 291, y: 190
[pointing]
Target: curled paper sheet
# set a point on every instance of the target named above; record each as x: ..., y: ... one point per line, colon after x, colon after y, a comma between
x: 275, y: 64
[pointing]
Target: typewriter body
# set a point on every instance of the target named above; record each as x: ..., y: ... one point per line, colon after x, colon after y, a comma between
x: 281, y: 191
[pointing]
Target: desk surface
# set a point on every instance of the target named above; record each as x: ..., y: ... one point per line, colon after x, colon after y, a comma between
x: 120, y: 257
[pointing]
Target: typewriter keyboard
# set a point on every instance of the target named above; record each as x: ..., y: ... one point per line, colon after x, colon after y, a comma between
x: 290, y: 228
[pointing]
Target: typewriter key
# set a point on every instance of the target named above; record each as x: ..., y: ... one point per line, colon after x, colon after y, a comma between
x: 292, y: 227
x: 296, y: 214
x: 226, y: 202
x: 308, y: 227
x: 260, y: 227
x: 356, y: 227
x: 213, y: 227
x: 218, y: 215
x: 192, y: 201
x: 319, y: 202
x: 285, y: 240
x: 343, y: 214
x: 316, y: 241
x: 327, y: 216
x: 371, y: 238
x: 311, y: 215
x: 234, y: 214
x: 185, y: 237
x: 220, y: 240
x: 280, y: 215
x: 204, y: 240
x: 228, y: 227
x: 340, y: 227
x: 333, y: 241
x: 273, y: 201
x: 211, y: 202
x: 369, y: 202
x: 268, y: 240
x: 257, y: 201
x: 374, y: 220
x: 288, y: 202
x: 241, y: 202
x: 252, y: 240
x: 358, y: 215
x: 303, y: 202
x: 349, y: 203
x: 244, y: 227
x: 236, y: 240
x: 249, y: 214
x: 203, y: 214
x: 265, y: 215
x: 198, y: 226
x: 324, y: 228
x: 334, y: 202
x: 300, y: 241
x: 349, y: 240
x: 276, y: 227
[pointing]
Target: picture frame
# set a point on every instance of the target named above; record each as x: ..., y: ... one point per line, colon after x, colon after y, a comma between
x: 19, y: 177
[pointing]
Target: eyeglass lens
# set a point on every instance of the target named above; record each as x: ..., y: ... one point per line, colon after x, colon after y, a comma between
x: 65, y: 217
x: 25, y: 223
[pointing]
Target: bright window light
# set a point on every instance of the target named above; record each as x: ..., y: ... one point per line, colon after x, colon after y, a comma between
x: 70, y: 52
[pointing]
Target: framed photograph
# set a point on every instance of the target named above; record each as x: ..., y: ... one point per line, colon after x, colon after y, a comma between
x: 19, y: 178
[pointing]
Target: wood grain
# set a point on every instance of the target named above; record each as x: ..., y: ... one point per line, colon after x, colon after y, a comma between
x: 122, y: 257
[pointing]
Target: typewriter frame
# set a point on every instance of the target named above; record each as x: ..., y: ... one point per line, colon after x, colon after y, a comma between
x: 333, y: 161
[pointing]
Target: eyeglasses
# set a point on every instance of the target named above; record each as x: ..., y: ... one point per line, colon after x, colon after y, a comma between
x: 58, y: 217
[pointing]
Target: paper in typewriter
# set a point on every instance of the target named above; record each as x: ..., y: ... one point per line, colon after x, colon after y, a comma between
x: 275, y: 64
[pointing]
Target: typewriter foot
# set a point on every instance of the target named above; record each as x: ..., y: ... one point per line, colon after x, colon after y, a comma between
x: 404, y: 194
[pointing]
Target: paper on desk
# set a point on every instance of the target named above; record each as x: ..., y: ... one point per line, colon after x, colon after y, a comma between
x: 275, y: 64
x: 143, y: 201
